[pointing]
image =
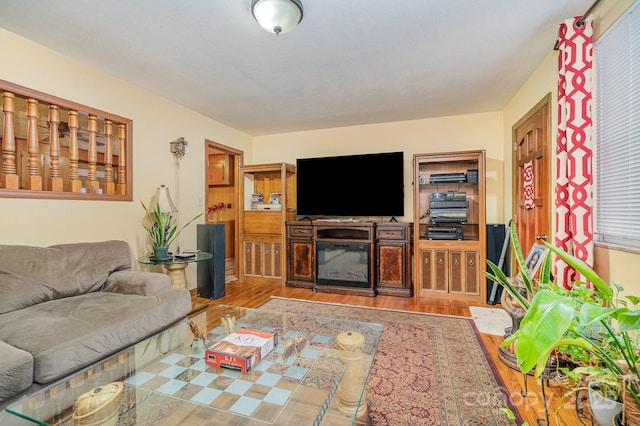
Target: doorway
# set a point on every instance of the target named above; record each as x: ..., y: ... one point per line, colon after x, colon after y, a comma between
x: 531, y: 150
x: 221, y: 165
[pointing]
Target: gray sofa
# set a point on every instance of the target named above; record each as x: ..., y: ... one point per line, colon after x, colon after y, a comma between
x: 67, y: 306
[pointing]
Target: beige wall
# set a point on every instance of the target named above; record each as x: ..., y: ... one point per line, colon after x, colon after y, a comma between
x: 457, y: 133
x: 542, y: 82
x: 156, y: 121
x: 610, y: 264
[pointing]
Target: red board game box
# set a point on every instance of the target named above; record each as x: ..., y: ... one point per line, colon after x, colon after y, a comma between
x: 241, y: 350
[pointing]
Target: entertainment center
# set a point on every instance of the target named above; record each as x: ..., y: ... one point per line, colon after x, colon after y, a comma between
x: 310, y: 240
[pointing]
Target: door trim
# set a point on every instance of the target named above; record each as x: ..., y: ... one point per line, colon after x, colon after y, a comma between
x: 238, y: 162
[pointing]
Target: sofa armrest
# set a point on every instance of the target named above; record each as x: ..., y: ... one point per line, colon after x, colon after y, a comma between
x: 137, y: 282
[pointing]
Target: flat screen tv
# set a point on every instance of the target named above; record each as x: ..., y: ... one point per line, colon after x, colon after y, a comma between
x: 351, y: 185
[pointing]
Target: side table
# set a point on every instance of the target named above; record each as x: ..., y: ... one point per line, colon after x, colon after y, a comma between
x: 176, y: 265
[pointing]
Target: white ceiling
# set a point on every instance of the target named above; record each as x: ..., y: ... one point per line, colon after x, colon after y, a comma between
x: 349, y: 62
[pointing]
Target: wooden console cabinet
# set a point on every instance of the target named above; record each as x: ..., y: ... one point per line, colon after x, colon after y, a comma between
x: 449, y: 247
x: 375, y: 257
x: 263, y: 232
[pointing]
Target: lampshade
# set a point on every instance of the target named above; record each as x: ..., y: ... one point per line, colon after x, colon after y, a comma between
x: 163, y: 199
x: 277, y: 16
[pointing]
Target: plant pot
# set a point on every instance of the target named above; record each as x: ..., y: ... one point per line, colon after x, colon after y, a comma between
x: 604, y: 410
x: 631, y: 416
x: 161, y: 253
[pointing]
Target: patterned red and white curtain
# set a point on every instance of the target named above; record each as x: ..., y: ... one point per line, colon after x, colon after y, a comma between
x: 574, y: 193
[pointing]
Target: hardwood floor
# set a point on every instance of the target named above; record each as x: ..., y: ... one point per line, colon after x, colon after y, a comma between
x: 530, y: 408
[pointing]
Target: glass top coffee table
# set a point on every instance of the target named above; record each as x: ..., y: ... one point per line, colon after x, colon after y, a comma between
x: 316, y: 375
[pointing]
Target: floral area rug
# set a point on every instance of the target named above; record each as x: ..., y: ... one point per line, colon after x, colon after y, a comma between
x: 428, y: 369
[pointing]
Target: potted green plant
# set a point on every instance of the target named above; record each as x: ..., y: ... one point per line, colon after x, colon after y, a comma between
x: 603, y: 387
x: 163, y: 230
x: 589, y: 322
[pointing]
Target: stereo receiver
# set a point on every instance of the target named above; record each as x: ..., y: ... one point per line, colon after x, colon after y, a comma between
x: 449, y: 195
x: 445, y: 233
x: 449, y: 215
x: 446, y: 204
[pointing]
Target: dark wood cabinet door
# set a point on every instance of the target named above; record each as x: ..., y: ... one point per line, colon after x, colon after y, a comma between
x: 300, y: 255
x: 301, y: 260
x: 391, y: 269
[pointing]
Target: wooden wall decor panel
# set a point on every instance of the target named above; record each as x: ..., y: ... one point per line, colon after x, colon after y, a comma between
x: 55, y: 148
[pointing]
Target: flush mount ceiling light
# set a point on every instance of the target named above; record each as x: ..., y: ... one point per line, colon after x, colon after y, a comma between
x: 277, y: 16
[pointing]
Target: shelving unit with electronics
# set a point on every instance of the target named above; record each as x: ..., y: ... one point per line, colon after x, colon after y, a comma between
x: 262, y: 223
x: 450, y: 225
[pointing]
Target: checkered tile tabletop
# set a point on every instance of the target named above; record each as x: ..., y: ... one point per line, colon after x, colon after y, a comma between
x: 167, y: 382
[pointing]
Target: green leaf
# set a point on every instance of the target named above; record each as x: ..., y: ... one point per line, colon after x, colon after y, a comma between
x: 590, y: 314
x: 545, y: 270
x: 549, y: 317
x: 500, y: 278
x: 517, y: 251
x: 584, y: 269
x: 633, y: 299
x: 628, y: 320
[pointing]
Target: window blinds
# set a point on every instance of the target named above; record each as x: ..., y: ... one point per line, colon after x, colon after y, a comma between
x: 617, y: 190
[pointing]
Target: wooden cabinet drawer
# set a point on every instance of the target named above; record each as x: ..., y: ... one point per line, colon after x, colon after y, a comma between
x: 386, y: 232
x: 300, y: 232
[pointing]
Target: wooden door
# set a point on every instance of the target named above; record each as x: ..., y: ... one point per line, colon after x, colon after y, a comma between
x: 221, y: 182
x: 531, y: 143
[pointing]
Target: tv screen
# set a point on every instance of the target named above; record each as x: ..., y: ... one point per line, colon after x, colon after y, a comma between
x: 351, y: 185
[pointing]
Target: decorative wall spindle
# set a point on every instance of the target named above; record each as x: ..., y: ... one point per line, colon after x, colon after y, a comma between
x: 93, y: 186
x: 34, y: 178
x: 55, y: 177
x: 75, y: 184
x: 9, y: 174
x: 109, y: 184
x: 122, y: 160
x: 35, y: 161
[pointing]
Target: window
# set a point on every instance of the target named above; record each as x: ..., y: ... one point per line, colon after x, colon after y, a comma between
x: 617, y: 144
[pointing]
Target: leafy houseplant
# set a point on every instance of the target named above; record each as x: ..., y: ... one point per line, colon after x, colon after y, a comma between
x: 589, y: 323
x: 163, y: 229
x: 604, y: 390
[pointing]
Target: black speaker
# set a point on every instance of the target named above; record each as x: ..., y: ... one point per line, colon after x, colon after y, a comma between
x: 495, y: 240
x: 211, y: 272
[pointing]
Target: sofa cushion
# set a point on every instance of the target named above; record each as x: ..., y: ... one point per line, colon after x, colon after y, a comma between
x: 31, y: 275
x: 136, y: 282
x: 16, y: 370
x: 67, y: 334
